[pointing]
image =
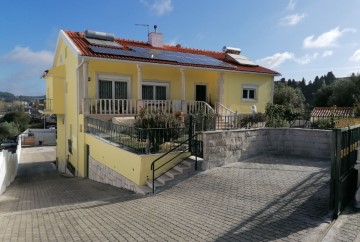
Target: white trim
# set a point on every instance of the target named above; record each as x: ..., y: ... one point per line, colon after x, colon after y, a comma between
x: 62, y: 35
x: 177, y: 66
x: 248, y: 88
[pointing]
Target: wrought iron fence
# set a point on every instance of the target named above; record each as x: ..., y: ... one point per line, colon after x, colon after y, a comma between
x: 137, y: 140
x: 298, y: 120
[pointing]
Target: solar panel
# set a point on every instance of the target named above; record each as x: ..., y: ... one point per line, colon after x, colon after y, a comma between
x: 241, y: 59
x: 112, y: 51
x: 181, y: 57
x: 161, y: 55
x: 103, y: 42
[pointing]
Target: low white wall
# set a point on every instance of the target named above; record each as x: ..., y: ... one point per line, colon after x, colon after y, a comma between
x: 8, y: 167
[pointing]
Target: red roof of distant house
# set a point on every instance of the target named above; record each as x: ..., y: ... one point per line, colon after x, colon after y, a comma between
x: 83, y: 45
x: 332, y: 112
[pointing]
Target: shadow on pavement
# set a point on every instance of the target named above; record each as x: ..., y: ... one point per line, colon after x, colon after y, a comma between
x: 39, y: 185
x: 290, y: 215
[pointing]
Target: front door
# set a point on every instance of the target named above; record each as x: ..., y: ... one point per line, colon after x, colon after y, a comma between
x: 200, y: 93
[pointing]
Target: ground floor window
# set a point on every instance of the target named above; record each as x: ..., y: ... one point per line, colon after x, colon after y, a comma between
x: 249, y: 92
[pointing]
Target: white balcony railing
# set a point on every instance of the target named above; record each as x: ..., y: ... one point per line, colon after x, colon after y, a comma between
x: 132, y: 106
x: 110, y: 106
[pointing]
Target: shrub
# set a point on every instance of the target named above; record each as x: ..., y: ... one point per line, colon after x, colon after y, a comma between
x: 158, y: 127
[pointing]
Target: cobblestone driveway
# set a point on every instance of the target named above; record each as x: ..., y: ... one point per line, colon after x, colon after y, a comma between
x: 266, y: 198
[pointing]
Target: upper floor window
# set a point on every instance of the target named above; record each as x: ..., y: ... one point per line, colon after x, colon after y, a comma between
x: 249, y: 92
x: 113, y: 87
x: 154, y: 91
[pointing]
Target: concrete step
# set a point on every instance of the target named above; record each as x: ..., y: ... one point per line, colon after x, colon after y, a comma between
x: 157, y: 184
x: 172, y: 173
x: 144, y: 190
x: 164, y: 178
x: 182, y: 168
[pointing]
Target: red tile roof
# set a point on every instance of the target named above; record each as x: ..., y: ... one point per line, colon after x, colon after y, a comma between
x: 83, y: 45
x: 343, y: 112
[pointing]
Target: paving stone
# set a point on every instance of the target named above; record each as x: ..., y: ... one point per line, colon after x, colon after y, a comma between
x: 273, y: 198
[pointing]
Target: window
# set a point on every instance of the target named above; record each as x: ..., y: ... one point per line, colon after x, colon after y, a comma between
x: 112, y: 87
x: 249, y: 92
x: 154, y: 91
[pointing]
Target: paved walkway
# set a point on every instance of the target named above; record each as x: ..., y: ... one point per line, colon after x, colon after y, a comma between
x: 263, y: 199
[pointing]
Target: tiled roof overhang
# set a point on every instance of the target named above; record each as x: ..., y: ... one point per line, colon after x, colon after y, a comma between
x: 83, y: 45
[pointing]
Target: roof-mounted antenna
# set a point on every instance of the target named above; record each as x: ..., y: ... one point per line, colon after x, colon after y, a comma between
x: 145, y: 25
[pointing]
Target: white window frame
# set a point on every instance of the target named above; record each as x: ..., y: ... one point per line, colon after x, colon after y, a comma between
x: 249, y: 88
x: 113, y: 78
x: 157, y: 83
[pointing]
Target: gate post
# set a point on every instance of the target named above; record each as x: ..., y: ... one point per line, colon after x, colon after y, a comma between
x: 191, y: 121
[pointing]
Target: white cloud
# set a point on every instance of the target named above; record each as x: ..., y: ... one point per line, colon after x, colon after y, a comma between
x: 292, y: 20
x: 306, y: 59
x: 23, y: 70
x: 276, y: 59
x: 25, y: 55
x: 291, y: 5
x: 327, y: 53
x: 159, y: 7
x: 279, y: 58
x: 355, y: 56
x: 327, y: 39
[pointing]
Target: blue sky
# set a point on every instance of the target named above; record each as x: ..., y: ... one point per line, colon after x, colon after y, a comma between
x: 303, y: 38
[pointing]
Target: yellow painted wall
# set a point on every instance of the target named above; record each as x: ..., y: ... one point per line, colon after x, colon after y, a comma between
x: 136, y: 168
x: 163, y: 74
x: 233, y: 89
x: 97, y: 67
x: 202, y: 77
x: 60, y: 140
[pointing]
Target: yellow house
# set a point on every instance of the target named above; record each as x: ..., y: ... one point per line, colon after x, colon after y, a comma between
x: 96, y: 77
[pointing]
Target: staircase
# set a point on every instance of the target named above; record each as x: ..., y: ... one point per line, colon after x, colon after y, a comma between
x: 177, y: 174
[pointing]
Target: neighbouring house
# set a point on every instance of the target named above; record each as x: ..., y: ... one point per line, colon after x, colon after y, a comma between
x: 336, y: 112
x: 97, y: 78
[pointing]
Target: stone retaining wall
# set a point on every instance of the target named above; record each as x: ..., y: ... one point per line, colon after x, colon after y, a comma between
x: 224, y: 147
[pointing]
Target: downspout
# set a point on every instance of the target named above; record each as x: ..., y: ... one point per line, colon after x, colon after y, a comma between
x: 77, y: 113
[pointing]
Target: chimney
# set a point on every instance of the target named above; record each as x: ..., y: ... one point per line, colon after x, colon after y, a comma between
x: 155, y: 38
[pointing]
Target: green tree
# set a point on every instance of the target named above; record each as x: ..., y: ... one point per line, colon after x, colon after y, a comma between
x: 322, y: 96
x: 288, y: 96
x: 344, y: 93
x: 20, y: 119
x: 8, y: 130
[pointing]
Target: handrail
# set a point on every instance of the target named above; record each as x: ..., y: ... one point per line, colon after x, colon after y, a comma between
x: 219, y: 108
x: 165, y: 154
x: 195, y: 106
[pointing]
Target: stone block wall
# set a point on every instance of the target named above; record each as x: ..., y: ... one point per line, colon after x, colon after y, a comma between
x: 224, y: 147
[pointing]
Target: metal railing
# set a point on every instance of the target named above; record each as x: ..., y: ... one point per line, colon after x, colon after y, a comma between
x: 183, y: 147
x: 137, y: 140
x: 220, y: 109
x: 48, y: 104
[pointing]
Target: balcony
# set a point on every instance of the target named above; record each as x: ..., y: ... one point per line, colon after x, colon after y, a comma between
x: 131, y: 107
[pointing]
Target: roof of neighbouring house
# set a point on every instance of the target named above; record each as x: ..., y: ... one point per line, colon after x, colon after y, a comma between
x: 126, y: 48
x: 332, y: 112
